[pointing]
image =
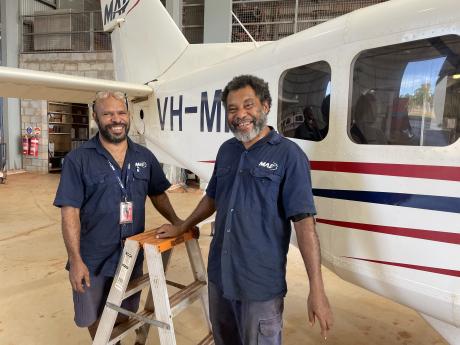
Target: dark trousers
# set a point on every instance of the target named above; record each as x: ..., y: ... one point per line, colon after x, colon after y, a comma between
x: 245, y: 322
x: 90, y: 304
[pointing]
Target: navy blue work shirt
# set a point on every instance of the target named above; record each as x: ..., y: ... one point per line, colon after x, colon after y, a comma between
x: 89, y: 184
x: 256, y: 192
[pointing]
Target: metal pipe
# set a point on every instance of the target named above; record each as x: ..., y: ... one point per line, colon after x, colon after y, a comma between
x: 296, y: 14
x: 245, y: 30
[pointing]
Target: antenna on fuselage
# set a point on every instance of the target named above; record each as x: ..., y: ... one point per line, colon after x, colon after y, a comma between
x: 245, y: 30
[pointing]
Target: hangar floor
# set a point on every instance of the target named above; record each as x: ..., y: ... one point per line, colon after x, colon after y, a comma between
x: 35, y: 296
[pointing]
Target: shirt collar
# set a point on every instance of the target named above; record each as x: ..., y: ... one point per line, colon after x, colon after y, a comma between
x: 273, y: 137
x: 132, y: 146
x: 95, y: 143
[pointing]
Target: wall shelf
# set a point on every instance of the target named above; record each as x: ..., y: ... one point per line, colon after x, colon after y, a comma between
x: 66, y: 113
x: 70, y: 123
x: 68, y: 128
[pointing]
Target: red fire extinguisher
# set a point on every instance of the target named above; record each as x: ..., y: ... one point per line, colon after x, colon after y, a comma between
x: 25, y: 145
x: 33, y: 148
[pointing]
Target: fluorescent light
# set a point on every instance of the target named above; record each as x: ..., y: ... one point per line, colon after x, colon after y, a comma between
x: 456, y: 76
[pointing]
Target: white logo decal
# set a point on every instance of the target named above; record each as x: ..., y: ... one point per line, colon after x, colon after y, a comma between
x: 114, y: 9
x: 141, y: 165
x: 271, y: 166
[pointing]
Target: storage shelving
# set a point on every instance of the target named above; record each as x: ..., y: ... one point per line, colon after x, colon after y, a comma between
x: 68, y: 128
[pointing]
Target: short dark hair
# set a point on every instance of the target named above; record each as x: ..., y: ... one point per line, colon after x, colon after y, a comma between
x: 259, y: 86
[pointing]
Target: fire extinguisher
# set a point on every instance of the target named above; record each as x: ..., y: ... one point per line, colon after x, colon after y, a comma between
x: 25, y: 145
x: 33, y: 148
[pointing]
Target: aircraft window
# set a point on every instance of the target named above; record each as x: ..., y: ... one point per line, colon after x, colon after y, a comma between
x: 407, y: 94
x: 304, y: 101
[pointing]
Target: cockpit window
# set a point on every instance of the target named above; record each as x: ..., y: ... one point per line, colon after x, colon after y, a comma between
x: 407, y: 94
x: 304, y: 101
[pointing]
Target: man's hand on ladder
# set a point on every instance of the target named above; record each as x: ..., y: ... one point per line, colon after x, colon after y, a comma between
x: 79, y: 275
x: 169, y: 230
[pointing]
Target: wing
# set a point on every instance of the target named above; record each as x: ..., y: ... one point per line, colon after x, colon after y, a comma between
x: 22, y: 83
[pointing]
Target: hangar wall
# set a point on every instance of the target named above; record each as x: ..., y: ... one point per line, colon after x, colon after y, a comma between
x: 34, y: 113
x: 10, y: 109
x: 266, y: 20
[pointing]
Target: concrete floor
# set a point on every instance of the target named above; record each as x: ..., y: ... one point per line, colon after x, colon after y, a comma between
x: 35, y: 295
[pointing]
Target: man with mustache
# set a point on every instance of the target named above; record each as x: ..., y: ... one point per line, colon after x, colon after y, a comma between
x: 102, y: 192
x: 261, y: 182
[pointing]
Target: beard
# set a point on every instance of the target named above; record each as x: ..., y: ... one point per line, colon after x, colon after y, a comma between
x: 258, y: 125
x: 111, y: 138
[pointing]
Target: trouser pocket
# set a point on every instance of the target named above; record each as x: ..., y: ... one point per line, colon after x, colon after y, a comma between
x: 270, y: 331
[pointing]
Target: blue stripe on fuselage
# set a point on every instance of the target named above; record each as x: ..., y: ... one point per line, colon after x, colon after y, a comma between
x: 426, y: 202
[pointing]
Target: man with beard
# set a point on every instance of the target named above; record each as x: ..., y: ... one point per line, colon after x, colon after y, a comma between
x: 102, y: 193
x: 261, y: 182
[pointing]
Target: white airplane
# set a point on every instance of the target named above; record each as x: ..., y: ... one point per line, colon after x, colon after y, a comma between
x: 384, y: 155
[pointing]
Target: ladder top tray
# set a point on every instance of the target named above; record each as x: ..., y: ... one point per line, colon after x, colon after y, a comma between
x: 164, y: 244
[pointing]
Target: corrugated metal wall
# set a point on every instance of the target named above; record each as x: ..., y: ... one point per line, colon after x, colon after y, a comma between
x: 274, y: 19
x: 269, y: 20
x: 266, y: 20
x: 193, y: 20
x: 76, y: 27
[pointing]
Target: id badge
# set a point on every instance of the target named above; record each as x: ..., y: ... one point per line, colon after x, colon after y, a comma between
x: 126, y: 212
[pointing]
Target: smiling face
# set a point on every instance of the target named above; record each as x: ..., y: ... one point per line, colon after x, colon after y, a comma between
x: 112, y: 119
x: 246, y: 115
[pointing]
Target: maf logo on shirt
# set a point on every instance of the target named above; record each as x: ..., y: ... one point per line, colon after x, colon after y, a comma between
x: 140, y: 165
x: 270, y: 166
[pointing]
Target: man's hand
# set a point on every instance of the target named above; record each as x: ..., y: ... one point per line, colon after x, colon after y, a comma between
x: 318, y: 305
x: 204, y: 209
x: 169, y: 230
x: 79, y: 276
x: 318, y: 308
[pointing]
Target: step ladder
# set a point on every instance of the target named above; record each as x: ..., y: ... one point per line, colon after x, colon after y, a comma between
x: 159, y: 308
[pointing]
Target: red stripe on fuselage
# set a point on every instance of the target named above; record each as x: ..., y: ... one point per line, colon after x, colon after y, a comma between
x: 438, y: 236
x: 433, y: 172
x: 403, y: 170
x: 436, y: 270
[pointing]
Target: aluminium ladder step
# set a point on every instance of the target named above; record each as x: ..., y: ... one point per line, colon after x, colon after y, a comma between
x: 122, y: 329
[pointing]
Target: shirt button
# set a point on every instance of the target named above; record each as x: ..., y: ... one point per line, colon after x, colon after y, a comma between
x: 241, y: 171
x: 225, y: 251
x: 228, y: 230
x: 231, y: 210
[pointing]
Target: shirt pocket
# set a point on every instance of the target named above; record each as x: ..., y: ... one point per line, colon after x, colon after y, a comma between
x: 140, y: 182
x: 266, y: 181
x: 223, y: 172
x: 223, y: 184
x: 223, y: 176
x: 95, y: 183
x: 264, y: 173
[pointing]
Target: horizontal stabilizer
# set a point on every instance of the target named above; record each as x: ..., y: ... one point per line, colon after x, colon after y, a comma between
x: 22, y: 83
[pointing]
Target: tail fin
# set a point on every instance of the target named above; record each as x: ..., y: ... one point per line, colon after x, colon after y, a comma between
x: 145, y: 39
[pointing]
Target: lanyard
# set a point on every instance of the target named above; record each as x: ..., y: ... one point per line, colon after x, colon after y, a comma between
x: 123, y: 187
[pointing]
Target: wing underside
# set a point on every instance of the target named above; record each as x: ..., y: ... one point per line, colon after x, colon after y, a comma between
x: 29, y: 84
